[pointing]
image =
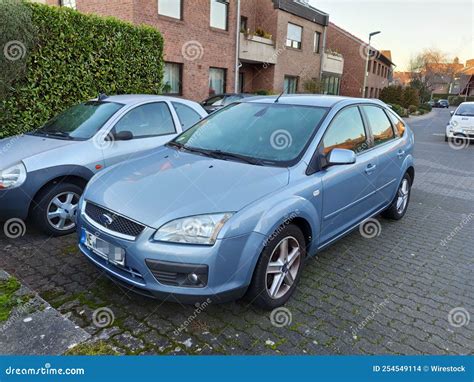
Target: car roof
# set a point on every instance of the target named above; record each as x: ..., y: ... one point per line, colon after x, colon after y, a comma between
x: 136, y: 98
x: 311, y: 100
x: 467, y: 103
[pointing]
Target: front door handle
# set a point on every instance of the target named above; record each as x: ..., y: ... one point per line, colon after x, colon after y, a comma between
x: 370, y: 169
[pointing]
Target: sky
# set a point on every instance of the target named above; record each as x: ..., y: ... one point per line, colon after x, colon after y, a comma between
x: 408, y: 27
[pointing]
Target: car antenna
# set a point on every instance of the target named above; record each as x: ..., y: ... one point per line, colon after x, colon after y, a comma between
x: 102, y: 96
x: 285, y: 90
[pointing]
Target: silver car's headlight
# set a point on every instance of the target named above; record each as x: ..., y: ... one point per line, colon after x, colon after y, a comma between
x: 200, y: 229
x: 454, y: 123
x: 13, y: 176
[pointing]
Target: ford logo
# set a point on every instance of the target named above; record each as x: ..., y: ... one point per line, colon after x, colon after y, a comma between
x: 106, y: 220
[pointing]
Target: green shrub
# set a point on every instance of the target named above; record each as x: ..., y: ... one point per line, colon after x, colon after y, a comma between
x: 426, y: 107
x: 410, y: 97
x: 412, y: 109
x: 392, y: 94
x: 75, y: 57
x: 457, y: 100
x: 401, y: 111
x: 421, y: 111
x: 263, y: 92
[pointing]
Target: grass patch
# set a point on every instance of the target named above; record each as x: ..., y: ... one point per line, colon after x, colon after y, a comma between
x: 95, y: 348
x: 8, y: 301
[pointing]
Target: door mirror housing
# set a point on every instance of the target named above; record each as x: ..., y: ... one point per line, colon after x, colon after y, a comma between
x: 339, y: 157
x: 123, y: 136
x: 451, y: 112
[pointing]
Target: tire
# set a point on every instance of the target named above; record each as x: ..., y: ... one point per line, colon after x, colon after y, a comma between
x: 446, y: 139
x: 259, y: 292
x: 394, y: 212
x: 49, y: 200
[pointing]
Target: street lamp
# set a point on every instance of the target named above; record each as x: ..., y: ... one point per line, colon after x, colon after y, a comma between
x: 366, y: 74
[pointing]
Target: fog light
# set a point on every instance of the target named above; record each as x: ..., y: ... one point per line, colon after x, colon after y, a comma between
x: 193, y: 278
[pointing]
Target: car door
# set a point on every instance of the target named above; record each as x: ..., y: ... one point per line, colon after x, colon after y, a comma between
x: 187, y: 115
x: 389, y: 149
x: 144, y: 127
x: 348, y: 191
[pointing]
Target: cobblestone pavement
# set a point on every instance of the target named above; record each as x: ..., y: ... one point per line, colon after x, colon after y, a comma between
x: 407, y: 291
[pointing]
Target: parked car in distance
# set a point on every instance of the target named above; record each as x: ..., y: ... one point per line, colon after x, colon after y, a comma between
x: 442, y: 103
x: 43, y: 173
x: 217, y: 102
x: 236, y: 204
x: 431, y: 103
x: 461, y: 125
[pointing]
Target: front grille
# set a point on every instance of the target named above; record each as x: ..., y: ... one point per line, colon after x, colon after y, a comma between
x: 117, y: 223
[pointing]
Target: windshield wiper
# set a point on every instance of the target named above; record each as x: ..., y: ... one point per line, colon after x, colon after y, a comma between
x: 223, y: 155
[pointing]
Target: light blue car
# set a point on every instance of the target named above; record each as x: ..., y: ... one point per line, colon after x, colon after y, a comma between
x: 237, y: 203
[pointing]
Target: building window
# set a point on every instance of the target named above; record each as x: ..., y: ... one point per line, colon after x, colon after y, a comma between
x: 244, y: 24
x: 217, y: 81
x: 170, y: 8
x: 173, y: 78
x: 368, y: 67
x: 291, y: 84
x: 219, y: 14
x: 331, y: 84
x: 68, y: 3
x: 317, y: 42
x: 374, y: 67
x: 294, y: 37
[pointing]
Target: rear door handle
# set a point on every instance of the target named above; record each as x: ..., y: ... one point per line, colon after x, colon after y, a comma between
x: 401, y: 154
x: 370, y: 168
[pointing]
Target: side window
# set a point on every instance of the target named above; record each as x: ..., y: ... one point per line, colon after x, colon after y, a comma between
x: 346, y: 132
x: 380, y: 124
x: 187, y: 116
x: 397, y: 123
x: 149, y: 120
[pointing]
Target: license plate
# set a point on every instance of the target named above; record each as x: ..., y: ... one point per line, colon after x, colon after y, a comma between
x: 104, y: 249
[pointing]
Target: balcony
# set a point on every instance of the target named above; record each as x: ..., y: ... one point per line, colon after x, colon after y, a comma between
x: 333, y: 62
x: 254, y: 50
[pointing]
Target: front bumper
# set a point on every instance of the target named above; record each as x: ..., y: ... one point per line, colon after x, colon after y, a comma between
x: 14, y: 203
x: 467, y: 134
x: 156, y: 269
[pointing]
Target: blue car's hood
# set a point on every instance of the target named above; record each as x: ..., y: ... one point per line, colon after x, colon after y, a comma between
x: 168, y: 184
x: 22, y: 147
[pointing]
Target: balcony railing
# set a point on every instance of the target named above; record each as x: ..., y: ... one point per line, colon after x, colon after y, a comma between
x: 255, y: 49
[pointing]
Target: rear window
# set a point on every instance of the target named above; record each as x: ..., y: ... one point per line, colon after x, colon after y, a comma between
x: 397, y: 123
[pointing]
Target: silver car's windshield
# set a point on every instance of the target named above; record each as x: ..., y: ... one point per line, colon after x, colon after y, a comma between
x: 259, y: 133
x: 79, y: 122
x: 466, y: 110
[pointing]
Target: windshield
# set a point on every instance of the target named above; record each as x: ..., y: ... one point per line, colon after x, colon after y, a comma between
x: 215, y: 101
x: 273, y: 133
x: 466, y: 110
x: 80, y: 121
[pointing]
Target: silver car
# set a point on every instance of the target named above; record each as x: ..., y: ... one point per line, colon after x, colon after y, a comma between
x: 43, y: 173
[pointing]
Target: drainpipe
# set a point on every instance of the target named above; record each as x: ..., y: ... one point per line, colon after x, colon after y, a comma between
x: 237, y: 49
x: 322, y: 53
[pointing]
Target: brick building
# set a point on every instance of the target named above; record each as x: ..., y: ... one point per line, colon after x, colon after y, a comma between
x: 354, y: 51
x: 280, y: 47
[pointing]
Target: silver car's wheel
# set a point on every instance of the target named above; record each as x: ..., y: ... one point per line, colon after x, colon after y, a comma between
x: 283, y: 267
x: 61, y: 211
x: 403, y: 194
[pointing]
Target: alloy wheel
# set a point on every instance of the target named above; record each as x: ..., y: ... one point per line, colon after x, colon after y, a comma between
x: 283, y: 267
x: 61, y: 211
x: 403, y: 194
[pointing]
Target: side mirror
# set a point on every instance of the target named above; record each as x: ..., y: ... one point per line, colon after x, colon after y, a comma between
x: 340, y: 157
x: 451, y: 112
x: 123, y: 136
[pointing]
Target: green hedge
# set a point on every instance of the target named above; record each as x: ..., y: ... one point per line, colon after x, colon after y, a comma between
x: 74, y: 58
x: 457, y: 100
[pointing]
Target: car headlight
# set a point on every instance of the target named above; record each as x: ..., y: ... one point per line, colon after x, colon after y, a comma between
x: 13, y: 176
x: 454, y: 123
x: 200, y: 229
